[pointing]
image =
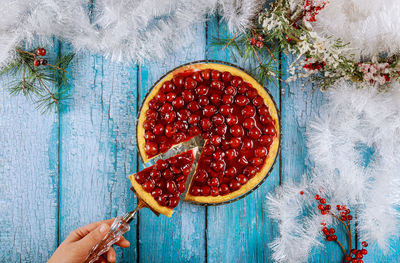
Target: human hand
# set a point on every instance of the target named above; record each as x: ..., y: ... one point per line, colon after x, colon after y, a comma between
x: 75, y: 248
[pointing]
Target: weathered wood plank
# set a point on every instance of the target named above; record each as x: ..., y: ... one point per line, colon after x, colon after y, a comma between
x: 98, y: 148
x: 299, y: 105
x: 29, y: 178
x: 180, y: 238
x: 241, y: 231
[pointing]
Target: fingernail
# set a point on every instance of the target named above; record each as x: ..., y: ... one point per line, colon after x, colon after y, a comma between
x: 103, y: 228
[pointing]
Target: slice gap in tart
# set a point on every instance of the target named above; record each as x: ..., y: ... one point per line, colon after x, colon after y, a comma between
x: 161, y: 185
x: 233, y: 113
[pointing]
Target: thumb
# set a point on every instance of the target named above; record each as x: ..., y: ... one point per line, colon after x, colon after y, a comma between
x: 94, y: 237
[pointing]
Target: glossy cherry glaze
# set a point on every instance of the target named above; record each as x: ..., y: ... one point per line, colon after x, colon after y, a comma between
x: 228, y: 112
x: 166, y: 180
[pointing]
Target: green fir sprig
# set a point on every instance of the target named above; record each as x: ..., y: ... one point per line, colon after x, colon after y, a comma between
x: 44, y: 83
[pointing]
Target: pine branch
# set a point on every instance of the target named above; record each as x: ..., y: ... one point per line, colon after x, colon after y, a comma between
x: 44, y: 83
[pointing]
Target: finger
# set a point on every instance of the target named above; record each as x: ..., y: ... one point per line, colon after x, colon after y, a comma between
x: 81, y: 232
x: 101, y: 260
x: 111, y: 255
x: 93, y: 237
x: 122, y: 242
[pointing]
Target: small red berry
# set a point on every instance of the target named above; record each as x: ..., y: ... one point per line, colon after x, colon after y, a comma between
x: 332, y: 231
x: 364, y: 244
x: 36, y: 63
x: 322, y: 201
x: 354, y: 251
x: 321, y: 207
x: 323, y: 212
x: 317, y: 197
x: 302, y: 192
x: 328, y: 207
x: 329, y: 238
x: 41, y: 52
x: 253, y: 41
x: 364, y: 251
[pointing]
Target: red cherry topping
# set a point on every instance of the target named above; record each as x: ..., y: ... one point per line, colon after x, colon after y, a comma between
x: 263, y: 110
x: 243, y: 161
x: 214, y: 191
x: 208, y: 149
x: 167, y: 87
x: 178, y: 103
x: 194, y: 130
x: 201, y: 90
x: 248, y: 123
x: 235, y: 142
x: 236, y: 131
x: 256, y: 161
x: 224, y: 189
x: 170, y: 130
x: 148, y: 186
x: 193, y: 119
x: 251, y: 93
x: 190, y: 83
x: 153, y: 104
x: 258, y: 101
x: 151, y: 148
x: 197, y: 77
x: 161, y: 97
x: 156, y: 192
x: 149, y: 136
x: 254, y: 133
x: 217, y: 85
x: 218, y: 166
x: 166, y: 108
x: 231, y: 154
x: 236, y: 81
x: 171, y: 96
x: 227, y: 99
x: 226, y: 76
x: 205, y: 124
x: 242, y: 89
x: 230, y: 172
x: 169, y: 116
x: 201, y: 176
x: 167, y: 174
x: 215, y: 140
x: 234, y: 185
x: 230, y: 90
x: 173, y: 202
x: 248, y: 111
x: 265, y: 140
x: 215, y: 99
x: 232, y: 120
x: 213, y: 182
x: 181, y: 186
x: 247, y: 144
x: 193, y: 106
x: 161, y: 165
x: 140, y: 178
x: 183, y: 114
x: 178, y: 81
x: 206, y: 74
x: 218, y: 119
x: 250, y: 171
x: 215, y: 74
x: 209, y: 110
x: 187, y: 95
x: 195, y: 190
x: 241, y: 100
x: 155, y: 174
x: 203, y: 100
x: 242, y: 179
x: 226, y: 110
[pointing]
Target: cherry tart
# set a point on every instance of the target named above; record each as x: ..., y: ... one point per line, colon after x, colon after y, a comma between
x: 230, y: 110
x: 162, y: 184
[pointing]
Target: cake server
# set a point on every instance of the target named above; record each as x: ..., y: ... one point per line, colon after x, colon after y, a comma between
x: 121, y: 223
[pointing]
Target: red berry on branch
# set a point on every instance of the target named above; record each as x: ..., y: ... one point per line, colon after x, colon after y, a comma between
x: 364, y: 251
x: 302, y: 192
x: 354, y: 251
x: 41, y: 52
x: 332, y: 231
x: 339, y: 207
x: 321, y: 207
x: 36, y: 63
x: 349, y: 217
x: 323, y: 212
x: 329, y: 238
x: 317, y: 197
x: 360, y: 261
x: 259, y: 44
x: 334, y: 237
x: 348, y: 258
x: 252, y: 41
x: 327, y: 207
x: 322, y: 201
x: 364, y: 244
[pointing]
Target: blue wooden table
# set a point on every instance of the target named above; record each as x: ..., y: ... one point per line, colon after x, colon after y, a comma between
x: 63, y: 170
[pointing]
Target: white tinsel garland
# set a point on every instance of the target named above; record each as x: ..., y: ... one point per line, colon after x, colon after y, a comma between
x: 354, y: 120
x: 125, y: 30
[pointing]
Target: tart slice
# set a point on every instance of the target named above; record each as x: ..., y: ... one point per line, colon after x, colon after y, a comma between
x: 233, y: 113
x: 161, y: 185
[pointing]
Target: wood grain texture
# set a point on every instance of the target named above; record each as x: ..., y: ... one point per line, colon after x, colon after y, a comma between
x: 182, y: 237
x: 98, y: 147
x: 241, y: 231
x: 29, y: 178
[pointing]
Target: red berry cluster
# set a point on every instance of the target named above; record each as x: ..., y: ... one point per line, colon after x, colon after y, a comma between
x: 40, y: 62
x: 312, y: 8
x: 314, y: 66
x: 356, y: 255
x: 228, y: 112
x: 165, y: 180
x: 257, y: 41
x: 353, y: 256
